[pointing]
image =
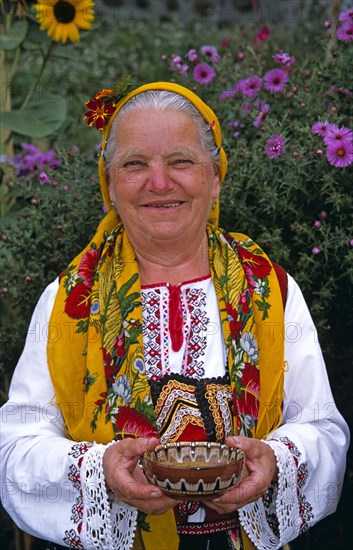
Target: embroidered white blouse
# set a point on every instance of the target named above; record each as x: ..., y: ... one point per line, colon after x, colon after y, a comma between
x: 51, y: 486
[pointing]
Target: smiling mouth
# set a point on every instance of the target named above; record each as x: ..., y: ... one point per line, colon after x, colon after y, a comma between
x: 166, y: 205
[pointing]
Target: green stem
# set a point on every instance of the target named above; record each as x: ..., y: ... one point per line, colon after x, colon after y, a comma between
x: 14, y: 65
x: 29, y: 94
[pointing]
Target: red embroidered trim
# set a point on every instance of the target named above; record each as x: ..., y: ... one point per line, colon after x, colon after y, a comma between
x: 208, y: 528
x: 175, y: 317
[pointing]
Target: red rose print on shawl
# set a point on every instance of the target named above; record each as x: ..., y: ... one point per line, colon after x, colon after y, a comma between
x: 78, y: 302
x: 88, y: 266
x: 248, y: 402
x: 131, y: 423
x: 110, y: 368
x: 235, y: 324
x: 253, y: 264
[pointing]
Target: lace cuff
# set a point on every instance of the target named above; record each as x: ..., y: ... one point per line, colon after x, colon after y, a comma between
x: 255, y: 518
x: 106, y: 522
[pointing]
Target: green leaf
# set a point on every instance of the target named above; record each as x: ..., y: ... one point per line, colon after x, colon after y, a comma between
x: 39, y: 120
x: 16, y: 35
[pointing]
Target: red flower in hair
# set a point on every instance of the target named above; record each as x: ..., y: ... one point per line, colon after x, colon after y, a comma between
x: 78, y: 302
x: 131, y: 423
x: 99, y: 112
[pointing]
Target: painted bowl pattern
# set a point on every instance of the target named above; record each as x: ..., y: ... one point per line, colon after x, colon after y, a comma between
x: 196, y: 470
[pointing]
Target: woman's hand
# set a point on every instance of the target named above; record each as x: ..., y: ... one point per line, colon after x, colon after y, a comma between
x: 124, y: 476
x: 259, y: 471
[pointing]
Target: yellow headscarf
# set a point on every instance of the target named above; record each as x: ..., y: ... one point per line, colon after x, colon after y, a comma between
x: 100, y: 295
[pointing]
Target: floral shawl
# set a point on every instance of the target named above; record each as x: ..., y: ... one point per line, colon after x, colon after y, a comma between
x: 97, y: 364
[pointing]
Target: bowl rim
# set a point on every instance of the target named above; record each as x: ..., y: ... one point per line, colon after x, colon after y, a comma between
x: 148, y: 455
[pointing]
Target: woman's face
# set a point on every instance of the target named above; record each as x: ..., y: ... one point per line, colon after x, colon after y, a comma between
x: 161, y: 178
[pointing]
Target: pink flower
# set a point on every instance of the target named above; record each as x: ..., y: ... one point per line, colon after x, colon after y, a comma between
x: 264, y: 109
x: 345, y: 32
x: 275, y: 146
x: 211, y: 52
x: 316, y: 250
x: 176, y: 62
x: 341, y: 90
x: 192, y: 56
x: 346, y: 15
x: 317, y: 224
x: 284, y: 59
x: 204, y: 73
x: 262, y: 35
x: 320, y: 128
x: 183, y: 69
x: 334, y: 134
x: 226, y: 94
x: 249, y: 86
x: 43, y: 178
x: 275, y: 80
x: 340, y: 153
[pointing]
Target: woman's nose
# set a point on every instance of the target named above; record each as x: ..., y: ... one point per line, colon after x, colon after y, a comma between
x: 159, y: 180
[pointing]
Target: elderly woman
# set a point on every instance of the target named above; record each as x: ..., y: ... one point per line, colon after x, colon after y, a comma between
x: 167, y: 328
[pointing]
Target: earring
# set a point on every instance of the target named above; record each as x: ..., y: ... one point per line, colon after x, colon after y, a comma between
x: 214, y: 204
x: 114, y: 206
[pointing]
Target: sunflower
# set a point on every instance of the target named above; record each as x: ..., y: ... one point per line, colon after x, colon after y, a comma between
x: 62, y: 18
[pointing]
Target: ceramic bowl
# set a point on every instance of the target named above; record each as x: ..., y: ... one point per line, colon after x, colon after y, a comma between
x: 198, y: 470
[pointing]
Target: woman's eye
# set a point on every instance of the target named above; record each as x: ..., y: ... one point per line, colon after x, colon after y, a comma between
x: 182, y: 162
x: 134, y: 165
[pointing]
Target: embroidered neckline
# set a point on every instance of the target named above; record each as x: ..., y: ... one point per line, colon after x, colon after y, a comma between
x: 169, y: 285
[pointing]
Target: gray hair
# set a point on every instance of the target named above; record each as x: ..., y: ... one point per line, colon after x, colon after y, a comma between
x: 162, y: 100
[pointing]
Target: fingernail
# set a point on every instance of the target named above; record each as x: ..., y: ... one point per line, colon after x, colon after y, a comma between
x: 154, y: 494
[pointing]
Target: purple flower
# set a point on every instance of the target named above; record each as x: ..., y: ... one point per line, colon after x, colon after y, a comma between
x: 346, y: 15
x: 340, y: 153
x: 345, y: 32
x: 334, y: 134
x: 211, y: 52
x: 316, y: 250
x: 245, y: 109
x: 249, y: 86
x: 183, y: 69
x: 263, y: 110
x: 204, y: 73
x: 341, y: 90
x: 34, y: 160
x: 192, y: 56
x: 275, y: 80
x: 275, y: 146
x: 43, y: 178
x: 226, y: 94
x: 320, y: 128
x: 176, y: 62
x: 284, y: 59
